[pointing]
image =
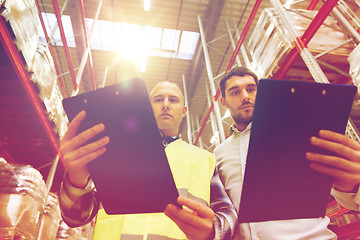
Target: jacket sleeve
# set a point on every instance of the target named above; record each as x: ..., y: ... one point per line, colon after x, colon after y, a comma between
x: 225, y: 213
x: 78, y: 206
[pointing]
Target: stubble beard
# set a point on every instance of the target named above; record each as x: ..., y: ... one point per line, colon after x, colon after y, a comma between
x: 243, y: 118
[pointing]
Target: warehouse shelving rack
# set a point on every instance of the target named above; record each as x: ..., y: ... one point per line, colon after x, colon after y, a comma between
x: 22, y: 76
x: 29, y: 134
x: 14, y: 65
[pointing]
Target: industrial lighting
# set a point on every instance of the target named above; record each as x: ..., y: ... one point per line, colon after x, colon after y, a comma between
x: 147, y: 5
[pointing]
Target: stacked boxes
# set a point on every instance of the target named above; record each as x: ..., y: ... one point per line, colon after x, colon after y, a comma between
x: 23, y: 24
x: 270, y: 42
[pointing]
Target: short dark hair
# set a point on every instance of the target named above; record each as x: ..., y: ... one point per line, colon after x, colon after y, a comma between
x: 237, y: 71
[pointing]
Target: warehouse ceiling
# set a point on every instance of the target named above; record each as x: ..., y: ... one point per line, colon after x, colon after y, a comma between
x: 179, y: 17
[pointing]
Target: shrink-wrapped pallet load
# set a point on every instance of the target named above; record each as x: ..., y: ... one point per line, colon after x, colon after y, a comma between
x: 78, y: 233
x: 22, y: 199
x: 42, y: 72
x: 43, y: 76
x: 22, y: 21
x: 51, y: 218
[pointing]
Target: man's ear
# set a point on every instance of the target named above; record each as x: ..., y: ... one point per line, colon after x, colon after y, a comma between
x: 223, y: 101
x: 184, y: 111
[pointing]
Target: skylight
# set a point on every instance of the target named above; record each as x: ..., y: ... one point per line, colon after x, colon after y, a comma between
x: 50, y: 21
x: 170, y: 39
x: 188, y: 44
x: 129, y: 40
x: 153, y: 36
x: 153, y: 41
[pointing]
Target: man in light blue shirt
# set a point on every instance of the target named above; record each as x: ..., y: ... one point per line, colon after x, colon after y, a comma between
x: 238, y: 93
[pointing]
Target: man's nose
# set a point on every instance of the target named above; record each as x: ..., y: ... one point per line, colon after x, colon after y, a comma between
x: 166, y: 103
x: 244, y: 95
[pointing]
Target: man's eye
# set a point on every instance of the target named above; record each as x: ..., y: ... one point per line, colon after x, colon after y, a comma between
x: 157, y: 100
x: 235, y: 93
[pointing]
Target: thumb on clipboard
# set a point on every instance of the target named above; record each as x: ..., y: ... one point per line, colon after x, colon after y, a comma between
x: 196, y: 220
x: 76, y: 152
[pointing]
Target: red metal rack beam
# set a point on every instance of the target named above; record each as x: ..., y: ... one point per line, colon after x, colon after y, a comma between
x: 231, y: 62
x: 319, y: 19
x: 62, y: 87
x: 90, y: 60
x: 306, y: 37
x: 339, y: 212
x: 21, y: 72
x: 244, y: 33
x: 312, y: 5
x: 66, y: 47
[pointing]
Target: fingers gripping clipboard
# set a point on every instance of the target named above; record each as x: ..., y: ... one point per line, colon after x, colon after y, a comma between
x: 279, y: 183
x: 133, y: 175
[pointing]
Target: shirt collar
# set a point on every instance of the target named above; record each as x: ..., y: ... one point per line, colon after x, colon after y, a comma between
x: 234, y: 130
x: 169, y: 139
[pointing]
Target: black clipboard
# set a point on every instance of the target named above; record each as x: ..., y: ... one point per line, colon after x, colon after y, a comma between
x: 133, y: 175
x: 279, y: 183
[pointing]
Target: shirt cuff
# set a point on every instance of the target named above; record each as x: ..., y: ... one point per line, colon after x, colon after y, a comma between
x: 216, y: 233
x: 75, y: 192
x: 347, y: 200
